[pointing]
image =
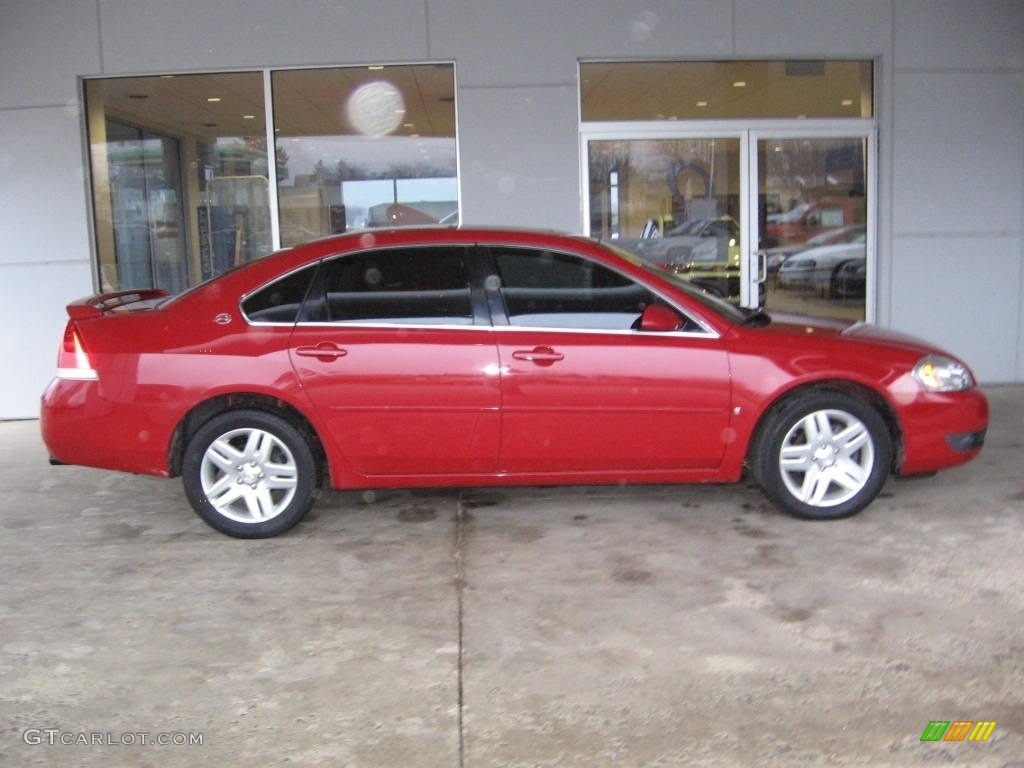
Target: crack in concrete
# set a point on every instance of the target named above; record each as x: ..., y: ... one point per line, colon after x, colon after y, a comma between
x: 460, y: 588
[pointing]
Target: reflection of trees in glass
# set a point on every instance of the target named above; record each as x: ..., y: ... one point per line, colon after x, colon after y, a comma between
x: 258, y: 145
x: 681, y: 178
x: 242, y: 156
x: 801, y: 169
x: 345, y: 171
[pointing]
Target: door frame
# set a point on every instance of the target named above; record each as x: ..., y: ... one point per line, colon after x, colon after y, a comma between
x: 749, y: 133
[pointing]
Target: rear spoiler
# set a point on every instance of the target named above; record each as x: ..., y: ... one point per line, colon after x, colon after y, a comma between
x: 100, y: 304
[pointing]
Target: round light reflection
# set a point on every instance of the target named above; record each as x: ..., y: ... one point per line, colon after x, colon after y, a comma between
x: 375, y: 108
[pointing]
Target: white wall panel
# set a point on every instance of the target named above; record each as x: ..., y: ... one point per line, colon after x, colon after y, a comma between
x: 820, y: 28
x: 44, y: 45
x: 963, y: 293
x: 958, y: 156
x: 45, y: 259
x: 976, y: 34
x: 32, y: 319
x: 42, y: 186
x: 157, y: 36
x: 519, y: 155
x: 519, y: 42
x: 958, y: 178
x: 1017, y: 349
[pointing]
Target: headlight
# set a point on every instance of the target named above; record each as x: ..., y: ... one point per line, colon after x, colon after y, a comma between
x: 941, y: 374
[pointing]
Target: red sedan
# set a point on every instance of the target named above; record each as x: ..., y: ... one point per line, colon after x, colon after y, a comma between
x: 471, y: 357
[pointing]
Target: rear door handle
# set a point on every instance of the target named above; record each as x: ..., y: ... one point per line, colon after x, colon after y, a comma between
x: 325, y: 351
x: 538, y: 355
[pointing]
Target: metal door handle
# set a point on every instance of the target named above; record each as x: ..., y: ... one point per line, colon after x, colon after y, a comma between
x: 325, y: 351
x: 539, y: 355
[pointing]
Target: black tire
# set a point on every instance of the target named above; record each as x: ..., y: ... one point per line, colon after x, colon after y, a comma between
x: 834, y: 283
x: 843, y: 285
x: 822, y: 455
x: 249, y: 474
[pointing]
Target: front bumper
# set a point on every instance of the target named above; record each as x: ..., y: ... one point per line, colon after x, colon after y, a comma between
x: 942, y: 430
x: 967, y: 441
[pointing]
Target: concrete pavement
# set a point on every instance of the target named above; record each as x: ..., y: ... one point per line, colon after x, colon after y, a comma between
x: 590, y: 627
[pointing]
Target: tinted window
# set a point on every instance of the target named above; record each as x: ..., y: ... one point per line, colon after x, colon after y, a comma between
x: 406, y: 285
x: 280, y: 301
x: 543, y: 288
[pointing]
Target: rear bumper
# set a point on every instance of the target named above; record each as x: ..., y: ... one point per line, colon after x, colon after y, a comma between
x: 79, y: 426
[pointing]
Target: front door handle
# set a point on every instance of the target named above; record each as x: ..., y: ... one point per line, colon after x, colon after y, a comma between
x: 538, y: 355
x: 325, y: 351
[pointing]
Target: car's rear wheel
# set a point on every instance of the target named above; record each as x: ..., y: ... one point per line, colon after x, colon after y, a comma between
x: 822, y: 455
x: 249, y: 474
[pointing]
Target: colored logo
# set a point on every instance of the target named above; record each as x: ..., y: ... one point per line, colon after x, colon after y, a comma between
x: 958, y: 730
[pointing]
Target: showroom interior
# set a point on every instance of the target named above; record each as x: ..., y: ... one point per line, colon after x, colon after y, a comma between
x: 140, y: 158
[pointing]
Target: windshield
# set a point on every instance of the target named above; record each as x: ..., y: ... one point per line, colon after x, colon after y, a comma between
x: 794, y: 215
x: 689, y: 228
x: 722, y: 227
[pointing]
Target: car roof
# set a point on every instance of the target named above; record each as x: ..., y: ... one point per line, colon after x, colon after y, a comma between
x: 290, y: 258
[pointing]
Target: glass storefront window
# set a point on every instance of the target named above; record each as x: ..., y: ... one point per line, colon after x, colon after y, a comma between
x: 725, y: 90
x: 363, y: 147
x: 178, y: 167
x: 182, y: 172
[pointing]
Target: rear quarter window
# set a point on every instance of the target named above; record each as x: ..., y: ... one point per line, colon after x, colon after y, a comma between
x: 281, y: 300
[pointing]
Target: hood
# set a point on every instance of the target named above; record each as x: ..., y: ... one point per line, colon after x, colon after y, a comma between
x: 861, y: 331
x: 803, y: 325
x: 840, y: 250
x: 872, y: 332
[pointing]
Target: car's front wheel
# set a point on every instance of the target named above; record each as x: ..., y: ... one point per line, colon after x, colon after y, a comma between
x: 822, y: 455
x: 249, y: 474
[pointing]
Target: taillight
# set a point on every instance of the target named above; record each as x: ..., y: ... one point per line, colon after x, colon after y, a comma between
x: 73, y: 360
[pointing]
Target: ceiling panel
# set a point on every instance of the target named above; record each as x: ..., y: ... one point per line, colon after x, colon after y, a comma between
x: 312, y: 102
x: 308, y: 102
x: 673, y: 90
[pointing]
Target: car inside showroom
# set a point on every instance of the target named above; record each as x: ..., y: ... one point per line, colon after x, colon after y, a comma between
x: 512, y: 382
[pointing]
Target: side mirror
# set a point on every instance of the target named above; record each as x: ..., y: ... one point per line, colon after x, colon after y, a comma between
x: 660, y: 319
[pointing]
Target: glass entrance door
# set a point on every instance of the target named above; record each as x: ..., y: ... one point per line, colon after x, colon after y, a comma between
x: 676, y: 202
x: 812, y: 194
x: 776, y: 218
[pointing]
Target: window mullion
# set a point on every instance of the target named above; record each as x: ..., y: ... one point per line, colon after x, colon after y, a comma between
x: 275, y: 213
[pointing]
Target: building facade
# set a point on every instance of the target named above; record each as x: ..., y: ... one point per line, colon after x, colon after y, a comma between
x: 546, y: 113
